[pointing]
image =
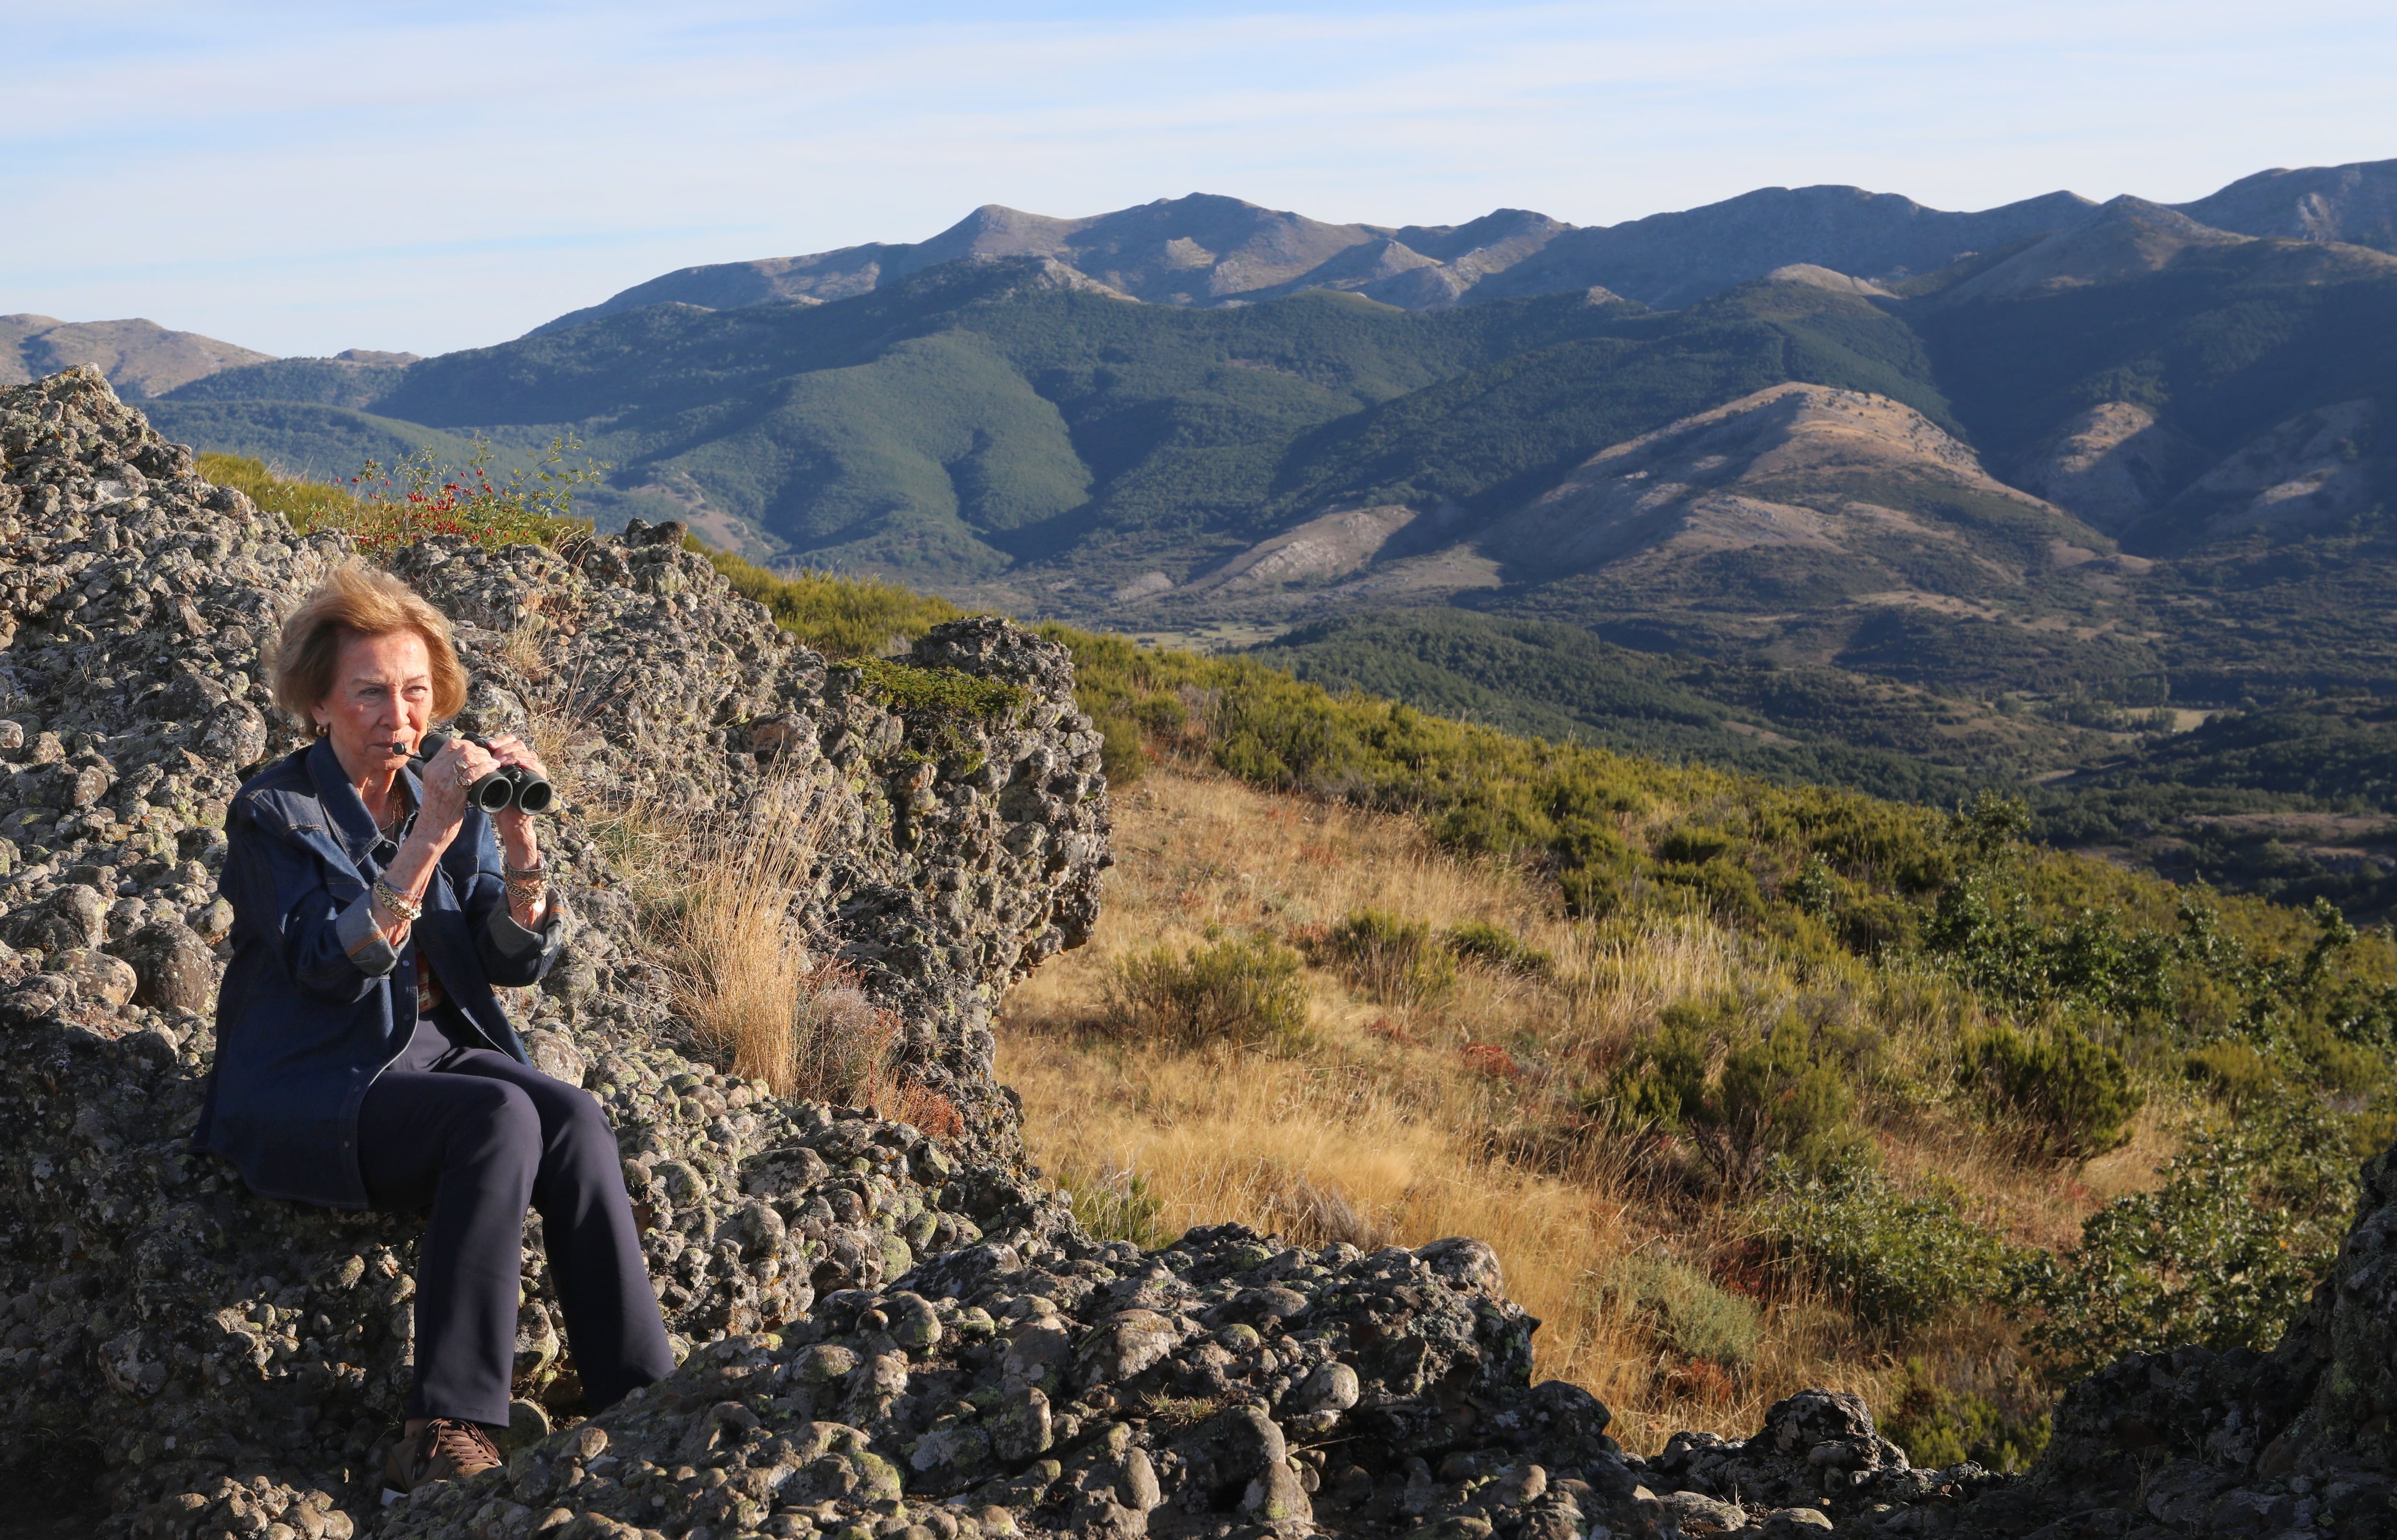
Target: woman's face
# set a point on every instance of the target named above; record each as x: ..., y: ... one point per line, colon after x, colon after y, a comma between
x: 380, y: 703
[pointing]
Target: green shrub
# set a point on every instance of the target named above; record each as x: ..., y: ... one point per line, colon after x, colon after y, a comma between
x: 1940, y: 1428
x: 1121, y: 758
x: 1691, y: 846
x: 1684, y: 1309
x: 1115, y: 1204
x: 1247, y: 993
x: 1495, y: 946
x: 1724, y: 885
x: 1873, y: 925
x: 838, y: 617
x: 1772, y: 1096
x: 2074, y: 1098
x: 308, y: 505
x: 2223, y: 1253
x: 2233, y: 1074
x: 422, y: 495
x: 1898, y: 1262
x: 383, y: 509
x: 951, y: 693
x: 1815, y: 889
x: 1591, y: 893
x: 1397, y: 961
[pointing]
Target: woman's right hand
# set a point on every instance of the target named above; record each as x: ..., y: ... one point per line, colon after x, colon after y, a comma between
x: 447, y: 777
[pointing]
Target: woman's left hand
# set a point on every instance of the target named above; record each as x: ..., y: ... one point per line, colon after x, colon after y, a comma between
x: 515, y: 828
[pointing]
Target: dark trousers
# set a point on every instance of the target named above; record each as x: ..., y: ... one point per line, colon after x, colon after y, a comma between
x: 479, y: 1138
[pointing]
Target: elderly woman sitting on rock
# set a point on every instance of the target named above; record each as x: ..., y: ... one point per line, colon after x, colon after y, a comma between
x: 363, y: 1059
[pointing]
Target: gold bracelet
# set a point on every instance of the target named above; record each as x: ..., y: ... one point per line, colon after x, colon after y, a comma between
x: 399, y: 903
x: 525, y: 885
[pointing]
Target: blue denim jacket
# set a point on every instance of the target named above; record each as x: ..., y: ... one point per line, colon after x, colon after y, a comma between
x: 314, y: 1003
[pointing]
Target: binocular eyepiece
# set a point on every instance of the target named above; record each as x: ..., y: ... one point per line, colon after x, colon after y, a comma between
x: 508, y: 786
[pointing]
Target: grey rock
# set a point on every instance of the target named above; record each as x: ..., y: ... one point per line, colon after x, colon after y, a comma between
x: 175, y: 970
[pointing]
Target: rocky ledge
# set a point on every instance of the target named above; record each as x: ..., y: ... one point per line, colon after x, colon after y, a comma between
x: 888, y: 1328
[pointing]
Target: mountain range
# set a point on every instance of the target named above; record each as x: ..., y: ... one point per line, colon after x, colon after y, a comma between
x: 1818, y: 481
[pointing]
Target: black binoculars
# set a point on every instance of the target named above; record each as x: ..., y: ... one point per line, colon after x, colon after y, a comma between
x: 508, y: 786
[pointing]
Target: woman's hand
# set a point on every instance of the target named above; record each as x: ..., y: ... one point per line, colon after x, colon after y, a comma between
x: 527, y: 903
x: 518, y: 842
x: 447, y: 777
x: 443, y: 813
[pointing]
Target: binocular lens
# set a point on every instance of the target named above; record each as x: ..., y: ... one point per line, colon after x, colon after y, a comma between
x: 534, y: 795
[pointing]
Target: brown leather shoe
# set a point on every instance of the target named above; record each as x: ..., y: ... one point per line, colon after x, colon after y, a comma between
x: 445, y: 1449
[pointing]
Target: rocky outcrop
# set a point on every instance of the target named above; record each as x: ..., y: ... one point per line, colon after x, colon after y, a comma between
x: 170, y: 1331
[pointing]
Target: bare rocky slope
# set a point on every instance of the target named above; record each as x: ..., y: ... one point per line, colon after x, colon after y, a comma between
x: 140, y: 358
x: 889, y: 1333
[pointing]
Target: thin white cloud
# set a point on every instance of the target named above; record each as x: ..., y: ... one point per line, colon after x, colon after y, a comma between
x: 304, y: 179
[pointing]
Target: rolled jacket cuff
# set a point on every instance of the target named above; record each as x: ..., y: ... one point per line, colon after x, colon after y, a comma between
x: 514, y: 941
x: 363, y: 940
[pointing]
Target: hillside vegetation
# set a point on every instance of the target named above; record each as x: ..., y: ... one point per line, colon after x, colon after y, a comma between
x: 1751, y: 1085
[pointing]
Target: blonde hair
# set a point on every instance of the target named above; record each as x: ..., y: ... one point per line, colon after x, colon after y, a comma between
x: 359, y: 601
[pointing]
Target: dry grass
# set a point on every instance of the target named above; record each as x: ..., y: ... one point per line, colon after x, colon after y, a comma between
x: 1453, y: 1115
x: 720, y: 902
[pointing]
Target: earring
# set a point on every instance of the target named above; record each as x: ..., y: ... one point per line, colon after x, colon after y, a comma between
x: 324, y: 727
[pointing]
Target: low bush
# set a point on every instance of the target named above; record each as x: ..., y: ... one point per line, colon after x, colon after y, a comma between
x: 1495, y: 947
x: 1122, y: 757
x: 1395, y: 960
x: 385, y: 507
x: 2223, y: 1253
x: 1939, y: 1426
x: 1898, y: 1262
x: 1683, y: 1309
x: 1724, y: 886
x: 1690, y: 846
x: 308, y: 505
x: 2232, y: 1073
x: 838, y: 617
x: 1245, y: 993
x: 1772, y: 1096
x: 1115, y: 1204
x: 422, y: 495
x: 2072, y: 1098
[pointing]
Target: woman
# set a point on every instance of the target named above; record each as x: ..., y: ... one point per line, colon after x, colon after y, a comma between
x: 363, y: 1060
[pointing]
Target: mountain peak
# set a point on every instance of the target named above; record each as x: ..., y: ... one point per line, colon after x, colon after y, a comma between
x: 2355, y: 203
x: 2122, y: 239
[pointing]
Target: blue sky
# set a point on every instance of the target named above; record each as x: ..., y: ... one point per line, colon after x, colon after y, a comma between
x: 306, y: 178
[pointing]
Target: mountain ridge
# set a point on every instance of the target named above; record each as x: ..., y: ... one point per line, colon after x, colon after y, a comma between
x: 1207, y: 248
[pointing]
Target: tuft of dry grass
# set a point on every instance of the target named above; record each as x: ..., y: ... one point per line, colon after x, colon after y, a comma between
x: 722, y: 900
x: 1406, y: 1117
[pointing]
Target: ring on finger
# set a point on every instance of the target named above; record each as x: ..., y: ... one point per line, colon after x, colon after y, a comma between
x: 466, y: 773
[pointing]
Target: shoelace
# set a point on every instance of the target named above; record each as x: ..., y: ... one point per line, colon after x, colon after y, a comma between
x: 461, y: 1443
